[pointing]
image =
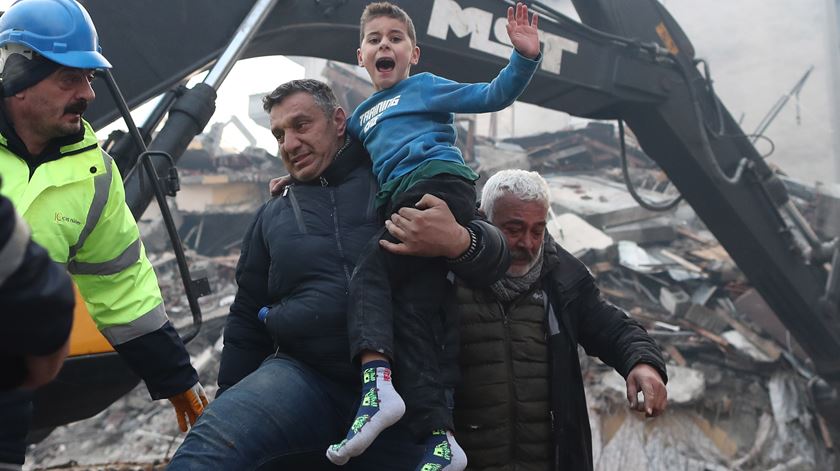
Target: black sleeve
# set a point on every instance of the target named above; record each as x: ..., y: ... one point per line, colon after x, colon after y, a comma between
x: 161, y: 359
x: 610, y: 334
x: 246, y: 339
x: 490, y: 261
x: 37, y: 297
x: 252, y: 271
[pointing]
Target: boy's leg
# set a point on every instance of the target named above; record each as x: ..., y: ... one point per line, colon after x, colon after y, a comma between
x: 421, y: 340
x: 418, y: 284
x: 380, y: 408
x: 423, y: 333
x: 370, y: 331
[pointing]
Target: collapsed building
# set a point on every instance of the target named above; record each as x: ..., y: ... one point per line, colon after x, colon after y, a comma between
x: 741, y: 390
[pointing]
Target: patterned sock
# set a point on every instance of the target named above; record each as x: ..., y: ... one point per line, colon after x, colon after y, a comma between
x: 381, y: 407
x: 442, y: 453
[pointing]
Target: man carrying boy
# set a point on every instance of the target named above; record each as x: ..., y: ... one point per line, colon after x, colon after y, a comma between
x: 395, y: 302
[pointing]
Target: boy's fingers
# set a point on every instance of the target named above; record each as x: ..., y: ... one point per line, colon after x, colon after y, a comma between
x: 510, y: 15
x: 535, y: 21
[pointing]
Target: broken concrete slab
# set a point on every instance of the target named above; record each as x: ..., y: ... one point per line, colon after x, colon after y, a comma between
x: 656, y: 230
x: 631, y: 256
x: 601, y: 202
x: 740, y: 342
x: 492, y: 157
x: 576, y: 235
x: 708, y: 319
x: 674, y: 299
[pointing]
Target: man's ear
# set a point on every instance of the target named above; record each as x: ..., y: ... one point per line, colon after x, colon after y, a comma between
x: 359, y: 57
x: 340, y: 120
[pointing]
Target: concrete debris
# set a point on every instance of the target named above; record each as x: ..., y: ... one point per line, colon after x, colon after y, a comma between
x: 741, y: 343
x: 492, y: 157
x: 675, y: 300
x: 576, y: 235
x: 650, y: 231
x: 603, y: 203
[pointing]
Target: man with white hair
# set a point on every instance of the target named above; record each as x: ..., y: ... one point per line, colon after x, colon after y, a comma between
x: 520, y: 403
x: 521, y: 379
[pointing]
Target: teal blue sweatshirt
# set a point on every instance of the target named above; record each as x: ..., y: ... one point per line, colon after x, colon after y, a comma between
x: 412, y: 122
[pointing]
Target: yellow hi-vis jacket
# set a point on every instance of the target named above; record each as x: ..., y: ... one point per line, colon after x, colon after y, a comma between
x: 76, y: 208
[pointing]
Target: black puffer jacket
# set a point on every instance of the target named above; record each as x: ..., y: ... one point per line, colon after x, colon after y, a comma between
x: 307, y: 241
x: 581, y: 317
x: 300, y: 251
x: 36, y: 295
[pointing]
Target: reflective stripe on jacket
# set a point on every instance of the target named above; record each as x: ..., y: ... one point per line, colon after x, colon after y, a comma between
x: 75, y: 205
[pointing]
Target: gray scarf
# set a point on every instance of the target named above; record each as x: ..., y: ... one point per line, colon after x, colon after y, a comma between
x: 511, y: 287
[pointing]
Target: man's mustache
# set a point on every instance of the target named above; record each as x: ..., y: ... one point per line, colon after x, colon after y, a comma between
x: 77, y: 107
x: 520, y: 255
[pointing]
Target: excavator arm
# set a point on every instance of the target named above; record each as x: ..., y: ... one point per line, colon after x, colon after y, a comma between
x: 628, y: 60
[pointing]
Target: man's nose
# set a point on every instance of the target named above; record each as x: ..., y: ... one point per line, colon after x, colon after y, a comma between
x: 528, y: 242
x: 85, y: 91
x: 290, y: 142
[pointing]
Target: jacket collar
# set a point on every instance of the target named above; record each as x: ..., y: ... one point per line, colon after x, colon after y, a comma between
x: 565, y: 269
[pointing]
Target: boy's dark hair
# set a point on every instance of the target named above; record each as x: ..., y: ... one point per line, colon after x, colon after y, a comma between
x: 320, y: 92
x: 375, y: 10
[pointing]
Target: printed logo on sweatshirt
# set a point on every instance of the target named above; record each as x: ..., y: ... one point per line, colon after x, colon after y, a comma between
x: 369, y: 118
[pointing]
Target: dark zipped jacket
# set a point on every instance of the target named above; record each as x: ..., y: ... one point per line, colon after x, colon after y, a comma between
x: 300, y: 252
x: 581, y: 317
x: 36, y: 295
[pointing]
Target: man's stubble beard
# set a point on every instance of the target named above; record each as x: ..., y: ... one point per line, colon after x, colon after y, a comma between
x: 528, y: 267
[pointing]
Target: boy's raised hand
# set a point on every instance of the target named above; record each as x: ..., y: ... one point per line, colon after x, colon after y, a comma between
x: 524, y: 36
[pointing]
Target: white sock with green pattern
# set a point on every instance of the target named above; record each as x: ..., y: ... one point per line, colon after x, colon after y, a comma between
x: 381, y: 407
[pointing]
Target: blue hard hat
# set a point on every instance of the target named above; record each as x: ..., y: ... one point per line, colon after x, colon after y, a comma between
x: 60, y: 30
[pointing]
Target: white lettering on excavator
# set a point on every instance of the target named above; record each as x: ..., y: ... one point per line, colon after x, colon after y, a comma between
x: 477, y: 23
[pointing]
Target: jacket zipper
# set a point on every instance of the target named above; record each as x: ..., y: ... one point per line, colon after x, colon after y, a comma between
x: 511, y: 388
x: 559, y: 317
x: 296, y: 208
x: 324, y: 184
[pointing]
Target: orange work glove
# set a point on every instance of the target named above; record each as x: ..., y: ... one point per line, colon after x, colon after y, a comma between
x: 189, y: 405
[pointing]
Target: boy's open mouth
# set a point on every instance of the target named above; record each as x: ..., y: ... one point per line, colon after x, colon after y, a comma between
x: 385, y: 64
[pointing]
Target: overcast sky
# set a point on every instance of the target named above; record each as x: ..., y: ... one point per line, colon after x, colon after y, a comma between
x: 758, y: 50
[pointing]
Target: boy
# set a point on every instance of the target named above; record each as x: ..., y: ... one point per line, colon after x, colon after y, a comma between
x: 406, y: 126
